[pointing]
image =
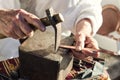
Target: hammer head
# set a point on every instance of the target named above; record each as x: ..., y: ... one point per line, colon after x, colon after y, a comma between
x: 54, y: 20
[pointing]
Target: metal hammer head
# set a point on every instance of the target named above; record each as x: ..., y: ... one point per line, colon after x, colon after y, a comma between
x: 54, y: 20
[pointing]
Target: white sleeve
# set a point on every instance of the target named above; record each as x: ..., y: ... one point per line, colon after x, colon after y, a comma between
x: 92, y: 10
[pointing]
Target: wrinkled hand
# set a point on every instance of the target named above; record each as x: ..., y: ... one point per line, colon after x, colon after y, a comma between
x: 84, y: 39
x: 16, y: 23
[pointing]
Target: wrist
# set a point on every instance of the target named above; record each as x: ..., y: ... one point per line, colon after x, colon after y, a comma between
x: 84, y: 26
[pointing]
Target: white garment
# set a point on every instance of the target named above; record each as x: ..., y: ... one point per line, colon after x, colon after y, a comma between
x: 9, y: 46
x: 72, y: 10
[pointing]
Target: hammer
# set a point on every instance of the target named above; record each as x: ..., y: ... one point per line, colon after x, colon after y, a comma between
x: 53, y: 19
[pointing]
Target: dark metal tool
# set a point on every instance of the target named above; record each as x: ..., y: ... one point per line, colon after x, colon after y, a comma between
x: 53, y: 19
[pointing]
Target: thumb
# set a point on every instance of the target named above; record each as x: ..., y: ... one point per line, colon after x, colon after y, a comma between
x: 80, y: 41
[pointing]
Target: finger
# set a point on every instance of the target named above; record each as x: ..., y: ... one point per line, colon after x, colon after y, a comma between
x: 89, y: 39
x: 18, y: 31
x: 91, y: 43
x: 78, y: 55
x: 32, y: 19
x: 11, y: 34
x: 23, y: 26
x: 92, y: 53
x: 80, y: 41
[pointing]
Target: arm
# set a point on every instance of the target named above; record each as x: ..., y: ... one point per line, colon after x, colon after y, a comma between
x: 15, y: 23
x: 87, y: 24
x: 83, y: 30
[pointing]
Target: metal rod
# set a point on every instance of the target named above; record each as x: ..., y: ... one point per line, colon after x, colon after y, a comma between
x: 96, y: 50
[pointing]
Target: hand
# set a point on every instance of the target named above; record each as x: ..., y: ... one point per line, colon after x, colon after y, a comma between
x: 83, y: 30
x: 92, y: 46
x: 84, y: 39
x: 16, y: 23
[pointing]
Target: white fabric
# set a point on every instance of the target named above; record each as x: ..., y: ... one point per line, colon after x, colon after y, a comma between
x: 72, y: 10
x: 114, y: 2
x: 9, y: 4
x: 9, y: 46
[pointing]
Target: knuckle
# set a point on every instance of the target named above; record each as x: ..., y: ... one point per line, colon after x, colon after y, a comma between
x: 98, y: 54
x: 21, y: 10
x: 28, y: 31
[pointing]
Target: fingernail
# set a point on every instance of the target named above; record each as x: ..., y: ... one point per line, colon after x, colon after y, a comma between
x: 80, y: 48
x: 43, y: 27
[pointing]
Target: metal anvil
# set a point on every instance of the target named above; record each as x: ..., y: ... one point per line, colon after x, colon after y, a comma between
x: 38, y: 61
